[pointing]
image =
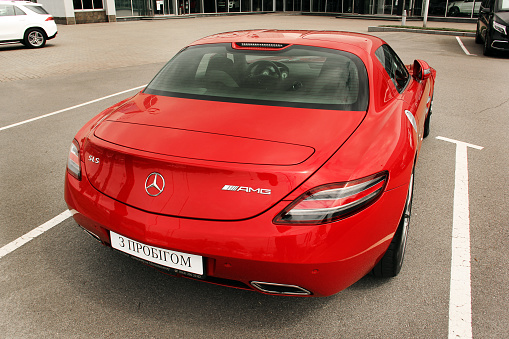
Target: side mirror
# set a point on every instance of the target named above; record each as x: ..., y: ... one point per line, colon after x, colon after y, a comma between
x: 422, y: 70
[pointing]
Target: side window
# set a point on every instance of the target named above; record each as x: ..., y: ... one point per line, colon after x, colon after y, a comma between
x: 19, y: 11
x: 37, y: 9
x: 6, y: 10
x: 393, y: 66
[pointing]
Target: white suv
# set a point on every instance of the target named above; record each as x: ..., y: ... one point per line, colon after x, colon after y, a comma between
x: 25, y: 22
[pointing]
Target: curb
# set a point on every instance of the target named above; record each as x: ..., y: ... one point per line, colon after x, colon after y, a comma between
x: 421, y: 31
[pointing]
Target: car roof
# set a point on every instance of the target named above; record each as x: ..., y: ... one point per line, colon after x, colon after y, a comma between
x: 356, y: 43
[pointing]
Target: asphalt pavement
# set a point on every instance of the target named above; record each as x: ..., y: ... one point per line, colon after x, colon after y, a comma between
x: 63, y: 284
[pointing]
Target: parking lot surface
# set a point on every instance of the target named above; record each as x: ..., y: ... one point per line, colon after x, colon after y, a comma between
x: 63, y: 284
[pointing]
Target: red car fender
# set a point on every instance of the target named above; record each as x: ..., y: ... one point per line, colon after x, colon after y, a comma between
x: 385, y: 140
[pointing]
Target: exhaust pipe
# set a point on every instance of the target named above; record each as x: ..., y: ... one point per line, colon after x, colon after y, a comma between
x: 279, y: 288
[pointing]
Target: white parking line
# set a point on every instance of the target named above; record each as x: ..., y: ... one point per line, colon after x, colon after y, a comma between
x: 13, y: 245
x: 69, y: 108
x: 460, y: 297
x: 463, y: 47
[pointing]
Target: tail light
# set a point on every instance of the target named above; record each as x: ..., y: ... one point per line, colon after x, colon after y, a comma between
x: 331, y: 202
x: 74, y: 162
x: 50, y: 18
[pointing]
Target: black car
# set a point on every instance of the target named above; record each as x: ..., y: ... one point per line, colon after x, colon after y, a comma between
x: 492, y: 26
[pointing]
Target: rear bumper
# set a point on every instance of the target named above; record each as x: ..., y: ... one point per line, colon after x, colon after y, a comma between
x: 50, y: 28
x: 53, y: 36
x: 321, y: 259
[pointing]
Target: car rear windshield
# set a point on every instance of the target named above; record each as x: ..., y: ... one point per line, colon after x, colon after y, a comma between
x: 295, y: 76
x: 37, y: 9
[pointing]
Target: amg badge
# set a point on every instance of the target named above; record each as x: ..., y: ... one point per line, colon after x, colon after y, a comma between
x: 234, y: 188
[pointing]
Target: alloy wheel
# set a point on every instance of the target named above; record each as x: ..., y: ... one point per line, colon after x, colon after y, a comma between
x: 36, y: 39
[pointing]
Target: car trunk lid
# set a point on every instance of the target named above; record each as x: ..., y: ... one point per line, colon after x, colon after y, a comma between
x: 220, y: 161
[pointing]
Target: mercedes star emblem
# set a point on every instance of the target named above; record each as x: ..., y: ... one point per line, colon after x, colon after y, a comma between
x: 154, y: 185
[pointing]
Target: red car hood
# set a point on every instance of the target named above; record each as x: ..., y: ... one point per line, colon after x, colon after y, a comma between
x: 221, y: 161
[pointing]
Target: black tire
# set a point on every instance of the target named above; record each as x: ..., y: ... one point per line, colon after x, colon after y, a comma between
x: 392, y: 261
x: 34, y: 38
x: 427, y: 122
x: 455, y: 11
x: 478, y: 37
x: 425, y: 133
x: 487, y: 50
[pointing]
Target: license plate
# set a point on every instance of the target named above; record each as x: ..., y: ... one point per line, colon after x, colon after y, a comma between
x: 172, y: 259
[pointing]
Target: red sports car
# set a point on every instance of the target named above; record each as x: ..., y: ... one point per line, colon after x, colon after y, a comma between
x: 276, y: 161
